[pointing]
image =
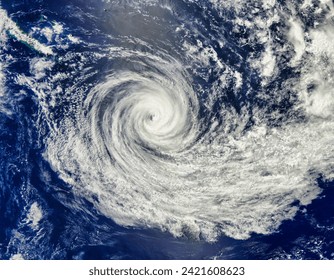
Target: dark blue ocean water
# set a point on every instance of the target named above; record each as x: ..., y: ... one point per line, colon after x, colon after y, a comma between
x: 72, y: 227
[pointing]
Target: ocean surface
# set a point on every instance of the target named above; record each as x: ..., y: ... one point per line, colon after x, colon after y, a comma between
x: 172, y: 129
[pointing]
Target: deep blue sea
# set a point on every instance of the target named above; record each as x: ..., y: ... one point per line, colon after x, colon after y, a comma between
x: 172, y: 129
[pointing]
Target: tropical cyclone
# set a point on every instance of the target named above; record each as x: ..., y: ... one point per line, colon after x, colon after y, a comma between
x: 215, y: 134
x: 143, y: 155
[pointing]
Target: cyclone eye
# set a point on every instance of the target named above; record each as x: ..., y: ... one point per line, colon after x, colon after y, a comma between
x: 152, y: 117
